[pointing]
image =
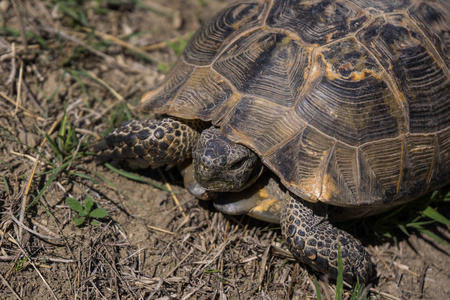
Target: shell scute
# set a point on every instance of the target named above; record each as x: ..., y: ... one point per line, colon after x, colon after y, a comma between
x: 415, y: 70
x: 266, y: 65
x: 211, y: 38
x: 432, y: 17
x: 316, y: 22
x: 351, y: 109
x: 202, y: 96
x: 301, y: 161
x: 157, y: 100
x: 380, y: 171
x: 248, y: 120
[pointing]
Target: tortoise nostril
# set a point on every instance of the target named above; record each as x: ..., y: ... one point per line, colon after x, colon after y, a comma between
x: 203, y: 167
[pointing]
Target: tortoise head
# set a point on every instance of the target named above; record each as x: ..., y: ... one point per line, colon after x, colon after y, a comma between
x: 221, y: 165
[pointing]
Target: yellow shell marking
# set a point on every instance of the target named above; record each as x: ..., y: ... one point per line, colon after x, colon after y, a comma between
x: 329, y: 188
x: 266, y: 205
x: 263, y: 194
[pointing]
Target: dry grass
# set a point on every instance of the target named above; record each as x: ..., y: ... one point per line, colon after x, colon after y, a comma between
x: 70, y: 72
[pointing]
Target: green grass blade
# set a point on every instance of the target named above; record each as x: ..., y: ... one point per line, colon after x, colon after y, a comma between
x: 357, y: 291
x: 403, y: 229
x: 316, y: 286
x: 434, y: 236
x: 62, y: 131
x: 447, y: 197
x: 140, y: 3
x: 81, y: 175
x: 50, y: 180
x: 5, y: 182
x: 135, y: 177
x: 434, y: 215
x: 53, y: 145
x: 430, y: 234
x: 423, y: 223
x: 340, y: 277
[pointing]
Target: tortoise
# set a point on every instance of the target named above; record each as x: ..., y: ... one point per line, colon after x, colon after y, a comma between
x: 304, y: 112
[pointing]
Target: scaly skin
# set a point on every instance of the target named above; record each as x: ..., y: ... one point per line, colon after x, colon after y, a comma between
x: 314, y: 241
x: 221, y: 165
x: 151, y: 143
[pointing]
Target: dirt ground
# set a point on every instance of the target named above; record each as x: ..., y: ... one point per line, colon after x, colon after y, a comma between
x: 90, y: 61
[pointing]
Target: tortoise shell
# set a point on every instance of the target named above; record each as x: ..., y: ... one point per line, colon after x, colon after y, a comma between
x: 348, y: 102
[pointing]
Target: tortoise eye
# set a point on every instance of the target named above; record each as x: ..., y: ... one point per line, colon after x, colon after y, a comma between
x: 237, y: 164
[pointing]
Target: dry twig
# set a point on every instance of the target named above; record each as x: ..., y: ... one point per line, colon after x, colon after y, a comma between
x: 9, y: 286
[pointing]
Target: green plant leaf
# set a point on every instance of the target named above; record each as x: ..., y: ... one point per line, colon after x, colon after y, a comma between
x: 88, y: 203
x: 95, y: 223
x: 79, y: 221
x: 99, y: 213
x: 83, y: 214
x: 74, y: 204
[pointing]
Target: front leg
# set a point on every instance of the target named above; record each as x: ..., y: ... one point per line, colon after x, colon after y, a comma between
x: 314, y: 241
x: 151, y: 143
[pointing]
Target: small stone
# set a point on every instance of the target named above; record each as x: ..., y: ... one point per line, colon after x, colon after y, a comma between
x: 4, y: 5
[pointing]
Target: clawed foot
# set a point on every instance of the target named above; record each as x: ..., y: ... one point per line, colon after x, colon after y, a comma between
x: 315, y: 241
